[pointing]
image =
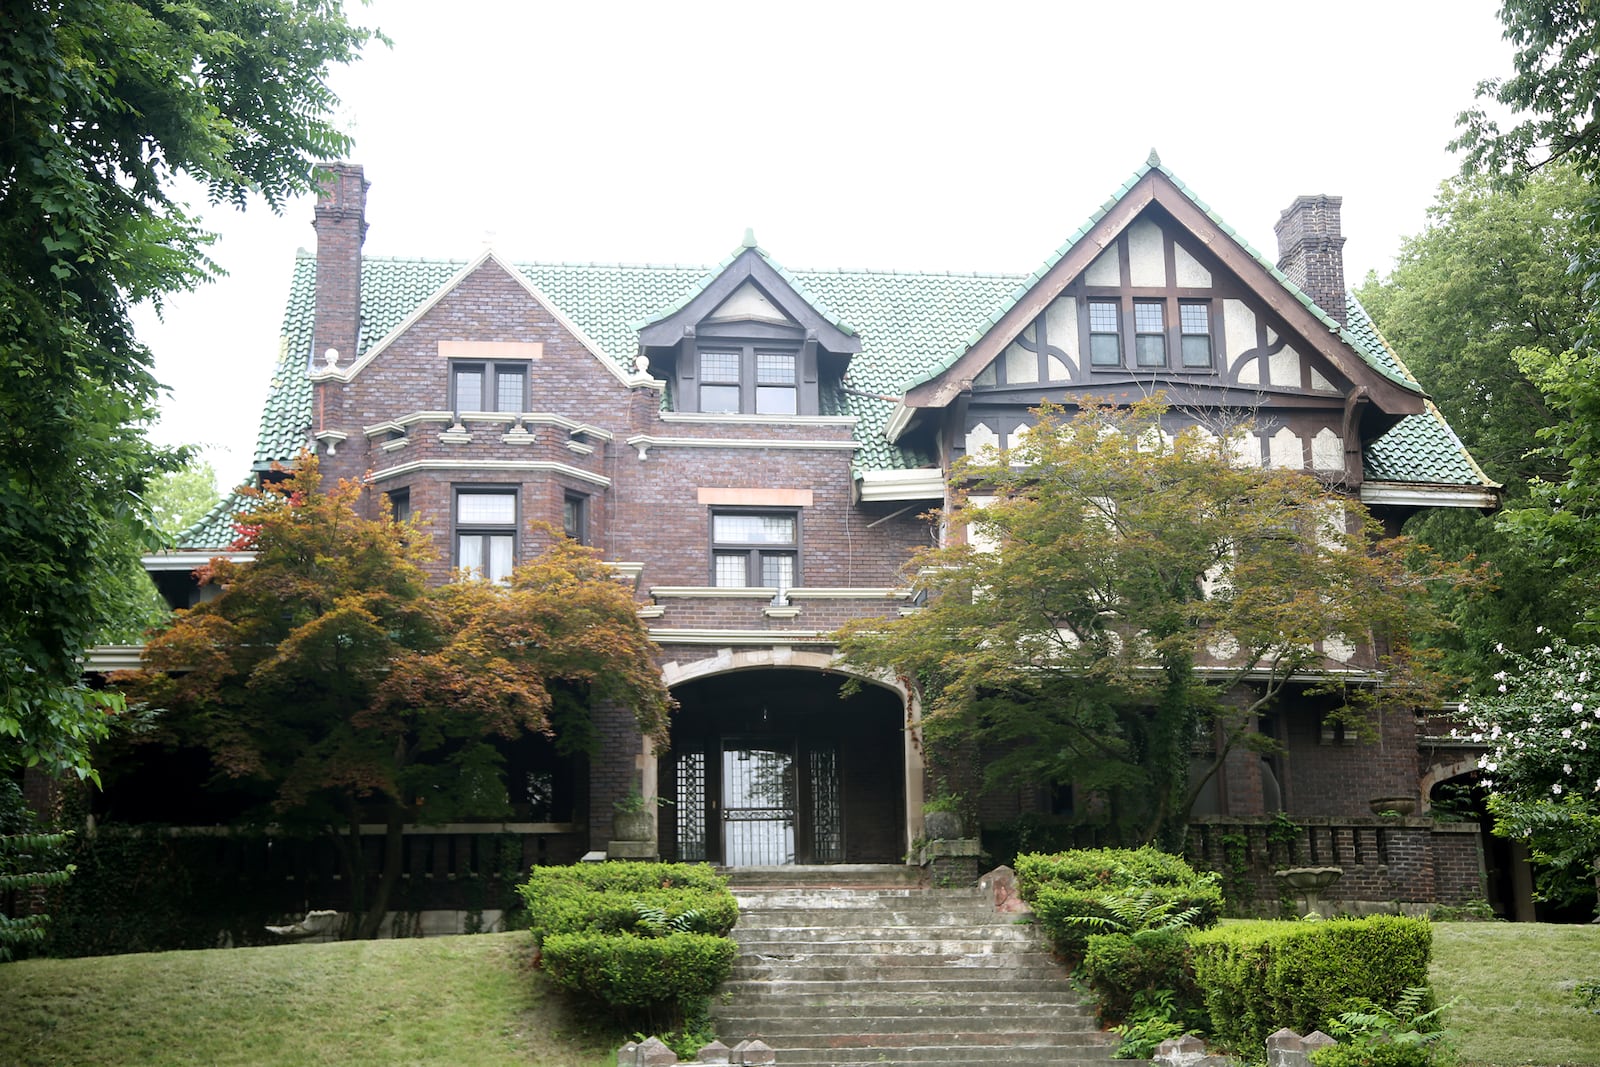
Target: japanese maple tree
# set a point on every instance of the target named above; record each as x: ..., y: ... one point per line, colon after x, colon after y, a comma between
x: 332, y: 674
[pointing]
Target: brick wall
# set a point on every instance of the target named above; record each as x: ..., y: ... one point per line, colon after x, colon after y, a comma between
x: 1406, y: 860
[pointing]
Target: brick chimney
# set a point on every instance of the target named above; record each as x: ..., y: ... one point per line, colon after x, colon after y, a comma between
x: 341, y: 226
x: 1311, y: 250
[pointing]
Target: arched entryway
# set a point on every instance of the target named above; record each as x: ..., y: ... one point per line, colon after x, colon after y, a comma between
x: 776, y: 766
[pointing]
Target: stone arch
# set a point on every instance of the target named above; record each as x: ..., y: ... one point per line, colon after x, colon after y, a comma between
x: 728, y: 660
x: 1443, y: 772
x: 733, y: 660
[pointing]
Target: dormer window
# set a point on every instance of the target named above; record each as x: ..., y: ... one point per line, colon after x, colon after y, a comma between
x: 747, y: 379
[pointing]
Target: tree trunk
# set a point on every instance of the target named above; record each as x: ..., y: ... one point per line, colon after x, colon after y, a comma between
x: 393, y: 847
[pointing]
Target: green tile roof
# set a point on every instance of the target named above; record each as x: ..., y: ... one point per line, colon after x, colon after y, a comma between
x: 903, y: 321
x: 1419, y: 448
x: 909, y: 325
x: 215, y: 530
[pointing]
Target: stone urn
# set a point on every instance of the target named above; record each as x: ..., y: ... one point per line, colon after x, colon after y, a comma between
x: 632, y: 826
x: 942, y: 825
x: 1309, y: 882
x: 1398, y: 805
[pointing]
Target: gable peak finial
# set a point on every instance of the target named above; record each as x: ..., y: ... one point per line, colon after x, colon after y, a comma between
x: 1154, y: 160
x: 749, y: 237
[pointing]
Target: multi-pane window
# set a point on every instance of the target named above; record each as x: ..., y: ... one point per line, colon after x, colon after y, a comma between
x: 1150, y: 333
x: 1105, y: 335
x: 1194, y: 324
x: 719, y: 381
x: 775, y: 383
x: 488, y: 386
x: 746, y: 379
x: 575, y: 517
x: 754, y: 548
x: 486, y: 532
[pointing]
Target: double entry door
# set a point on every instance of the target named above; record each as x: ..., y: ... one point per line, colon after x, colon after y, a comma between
x: 767, y: 801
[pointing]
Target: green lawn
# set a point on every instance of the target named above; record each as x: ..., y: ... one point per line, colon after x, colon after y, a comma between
x: 1512, y: 987
x: 467, y: 1001
x: 476, y: 1002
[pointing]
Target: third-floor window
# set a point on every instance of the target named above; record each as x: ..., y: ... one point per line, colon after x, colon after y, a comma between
x: 488, y: 387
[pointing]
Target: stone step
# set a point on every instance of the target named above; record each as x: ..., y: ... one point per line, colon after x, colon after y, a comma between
x: 847, y: 972
x: 977, y: 984
x: 919, y: 1035
x: 896, y: 1018
x: 890, y: 923
x: 915, y: 1056
x: 833, y: 876
x: 887, y: 946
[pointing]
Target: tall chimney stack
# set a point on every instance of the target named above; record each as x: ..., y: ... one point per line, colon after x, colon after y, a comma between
x: 341, y: 226
x: 1311, y: 250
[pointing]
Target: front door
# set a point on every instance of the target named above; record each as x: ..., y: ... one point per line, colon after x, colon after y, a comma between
x: 758, y: 803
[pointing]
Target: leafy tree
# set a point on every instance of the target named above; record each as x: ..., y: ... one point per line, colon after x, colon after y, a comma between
x: 1554, y: 97
x: 1115, y: 561
x: 1543, y: 769
x: 174, y: 501
x: 1488, y: 281
x: 331, y: 676
x: 102, y: 105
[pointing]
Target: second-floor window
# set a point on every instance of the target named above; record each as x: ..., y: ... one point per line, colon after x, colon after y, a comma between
x: 486, y: 532
x: 575, y: 517
x: 755, y: 548
x: 748, y: 379
x: 488, y: 387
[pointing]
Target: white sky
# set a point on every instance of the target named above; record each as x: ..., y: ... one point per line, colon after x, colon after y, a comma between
x: 927, y: 136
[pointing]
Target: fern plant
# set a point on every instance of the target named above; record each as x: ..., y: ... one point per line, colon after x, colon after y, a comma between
x: 1403, y: 1036
x: 655, y: 922
x: 1140, y: 907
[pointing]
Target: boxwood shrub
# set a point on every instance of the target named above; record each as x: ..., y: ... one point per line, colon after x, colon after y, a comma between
x: 1123, y: 970
x: 1262, y: 975
x: 605, y: 897
x: 1066, y: 888
x: 628, y: 971
x: 645, y: 942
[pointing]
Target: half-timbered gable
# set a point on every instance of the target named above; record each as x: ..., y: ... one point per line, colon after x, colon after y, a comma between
x: 1155, y: 293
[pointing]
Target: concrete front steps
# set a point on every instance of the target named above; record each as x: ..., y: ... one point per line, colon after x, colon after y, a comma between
x: 859, y: 965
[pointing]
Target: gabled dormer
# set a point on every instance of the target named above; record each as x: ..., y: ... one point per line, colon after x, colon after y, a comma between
x: 748, y: 341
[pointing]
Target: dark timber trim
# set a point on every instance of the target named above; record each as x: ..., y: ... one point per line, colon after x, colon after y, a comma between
x: 1155, y: 188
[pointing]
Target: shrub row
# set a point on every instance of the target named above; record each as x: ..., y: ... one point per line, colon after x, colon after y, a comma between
x: 1068, y: 891
x: 628, y: 971
x: 1126, y: 971
x: 644, y: 941
x: 1262, y: 975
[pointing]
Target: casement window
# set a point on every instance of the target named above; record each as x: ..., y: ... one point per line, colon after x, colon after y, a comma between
x: 747, y: 379
x: 488, y: 387
x: 486, y: 533
x: 755, y: 548
x: 575, y: 517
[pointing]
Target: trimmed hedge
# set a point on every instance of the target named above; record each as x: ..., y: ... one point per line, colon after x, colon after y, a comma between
x: 643, y: 941
x: 1067, y: 887
x: 604, y: 898
x: 1122, y: 968
x: 627, y: 971
x: 1261, y: 975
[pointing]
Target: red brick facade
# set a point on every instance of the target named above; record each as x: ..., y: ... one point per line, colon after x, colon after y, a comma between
x: 591, y: 429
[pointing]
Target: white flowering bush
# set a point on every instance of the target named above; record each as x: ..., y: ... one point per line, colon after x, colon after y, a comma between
x: 1542, y: 770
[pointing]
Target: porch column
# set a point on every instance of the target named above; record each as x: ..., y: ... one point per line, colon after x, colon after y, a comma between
x: 914, y: 771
